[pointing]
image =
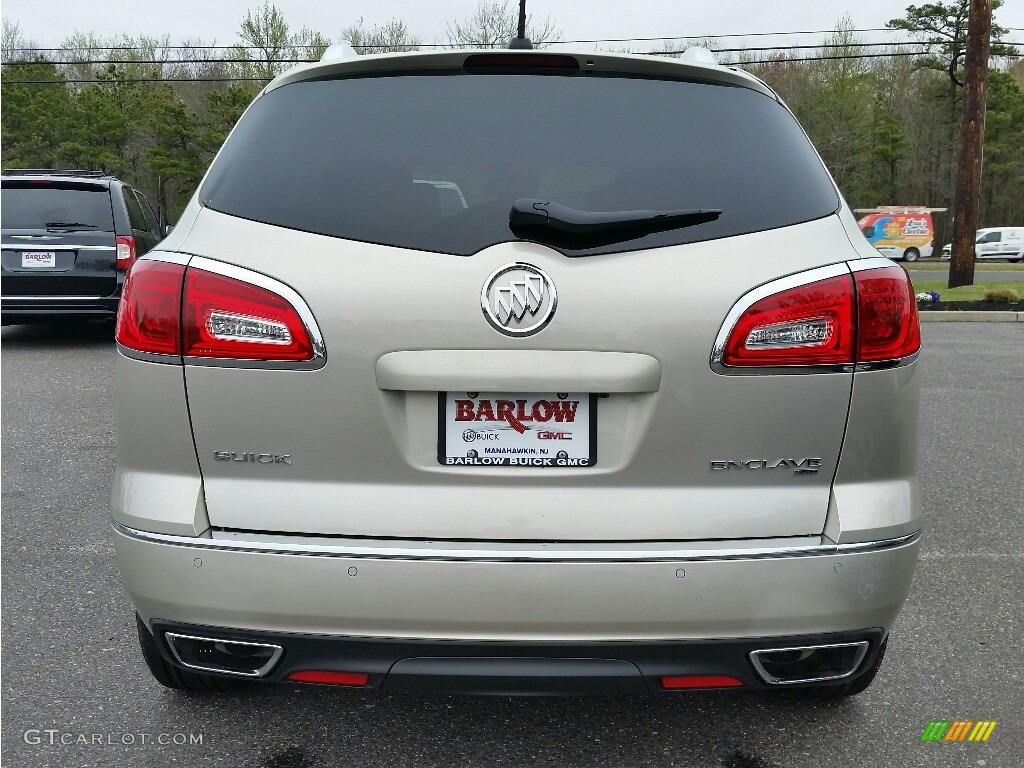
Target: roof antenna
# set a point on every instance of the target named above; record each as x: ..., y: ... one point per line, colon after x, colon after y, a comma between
x: 521, y: 41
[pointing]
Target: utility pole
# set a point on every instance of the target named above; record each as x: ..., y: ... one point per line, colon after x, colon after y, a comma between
x: 972, y: 137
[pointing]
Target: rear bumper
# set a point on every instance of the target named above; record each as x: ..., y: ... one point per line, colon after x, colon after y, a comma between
x: 273, y: 584
x: 522, y: 668
x: 29, y: 308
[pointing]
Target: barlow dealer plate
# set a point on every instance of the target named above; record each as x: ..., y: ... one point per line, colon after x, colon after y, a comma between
x: 543, y: 430
x: 38, y: 259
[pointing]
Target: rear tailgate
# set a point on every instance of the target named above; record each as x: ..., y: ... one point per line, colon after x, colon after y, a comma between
x: 78, y: 264
x: 362, y: 436
x: 58, y: 239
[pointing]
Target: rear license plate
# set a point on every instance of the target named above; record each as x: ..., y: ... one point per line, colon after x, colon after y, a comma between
x: 38, y: 259
x: 544, y: 430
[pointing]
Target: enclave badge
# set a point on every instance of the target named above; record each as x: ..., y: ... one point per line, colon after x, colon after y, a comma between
x: 800, y: 467
x: 518, y: 299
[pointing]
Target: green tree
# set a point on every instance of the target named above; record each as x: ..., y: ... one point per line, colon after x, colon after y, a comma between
x: 34, y: 119
x: 111, y: 125
x: 942, y: 28
x: 225, y: 108
x: 266, y: 31
x: 1002, y: 179
x: 887, y: 146
x: 393, y: 37
x: 176, y: 159
x: 272, y: 46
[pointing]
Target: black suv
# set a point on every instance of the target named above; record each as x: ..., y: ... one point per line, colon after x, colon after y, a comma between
x: 68, y: 240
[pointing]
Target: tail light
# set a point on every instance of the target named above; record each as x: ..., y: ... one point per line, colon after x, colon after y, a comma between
x: 808, y: 325
x: 149, y: 315
x: 229, y: 318
x: 169, y: 309
x: 842, y: 319
x: 125, y: 251
x: 887, y: 323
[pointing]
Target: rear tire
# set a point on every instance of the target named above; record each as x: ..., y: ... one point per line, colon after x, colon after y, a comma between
x: 172, y: 677
x: 852, y: 688
x: 911, y: 254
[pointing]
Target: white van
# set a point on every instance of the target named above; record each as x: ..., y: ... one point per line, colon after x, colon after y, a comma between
x: 996, y: 243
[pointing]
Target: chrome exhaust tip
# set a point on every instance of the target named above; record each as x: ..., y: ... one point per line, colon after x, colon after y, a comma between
x: 226, y: 657
x: 809, y: 663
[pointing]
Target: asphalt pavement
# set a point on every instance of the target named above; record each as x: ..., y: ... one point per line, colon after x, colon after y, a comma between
x: 76, y: 692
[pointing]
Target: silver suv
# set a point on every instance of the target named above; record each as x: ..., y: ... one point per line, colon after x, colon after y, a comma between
x: 638, y: 414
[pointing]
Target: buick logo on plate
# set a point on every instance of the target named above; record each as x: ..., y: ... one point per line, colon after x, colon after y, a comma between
x: 518, y: 299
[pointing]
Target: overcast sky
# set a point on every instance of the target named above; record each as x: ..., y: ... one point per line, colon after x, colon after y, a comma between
x: 48, y: 22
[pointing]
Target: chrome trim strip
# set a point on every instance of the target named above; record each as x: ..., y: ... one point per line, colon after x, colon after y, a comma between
x: 228, y: 541
x: 873, y: 262
x: 42, y: 247
x: 315, y: 364
x: 181, y: 259
x: 149, y: 357
x: 287, y: 293
x: 763, y: 292
x: 56, y: 298
x: 262, y: 671
x: 771, y: 679
x: 888, y: 365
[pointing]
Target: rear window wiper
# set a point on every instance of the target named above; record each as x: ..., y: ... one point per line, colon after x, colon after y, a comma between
x: 544, y: 221
x: 69, y: 225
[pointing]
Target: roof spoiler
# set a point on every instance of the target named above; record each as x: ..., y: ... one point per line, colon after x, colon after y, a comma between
x: 54, y: 172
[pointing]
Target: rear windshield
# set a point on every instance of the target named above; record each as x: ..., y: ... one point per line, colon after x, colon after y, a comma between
x: 46, y: 205
x: 435, y: 161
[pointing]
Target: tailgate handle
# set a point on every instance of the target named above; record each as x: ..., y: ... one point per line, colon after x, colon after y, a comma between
x: 499, y: 370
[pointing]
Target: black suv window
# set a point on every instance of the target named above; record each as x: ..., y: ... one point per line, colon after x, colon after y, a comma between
x: 36, y: 204
x: 136, y: 217
x: 151, y: 223
x: 435, y: 161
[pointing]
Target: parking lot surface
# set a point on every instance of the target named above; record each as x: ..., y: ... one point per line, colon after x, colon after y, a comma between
x: 76, y: 692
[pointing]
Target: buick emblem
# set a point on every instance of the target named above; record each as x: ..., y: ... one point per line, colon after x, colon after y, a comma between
x: 518, y: 299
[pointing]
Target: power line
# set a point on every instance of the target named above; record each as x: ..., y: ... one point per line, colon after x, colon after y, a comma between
x: 133, y: 80
x: 162, y: 62
x: 145, y: 80
x: 192, y: 47
x: 840, y: 58
x: 158, y: 62
x: 92, y: 62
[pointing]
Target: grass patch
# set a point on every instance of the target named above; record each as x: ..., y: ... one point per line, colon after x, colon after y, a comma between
x: 974, y: 292
x: 1001, y: 296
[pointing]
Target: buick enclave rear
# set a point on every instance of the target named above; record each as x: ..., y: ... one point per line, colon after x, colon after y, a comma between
x: 638, y: 413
